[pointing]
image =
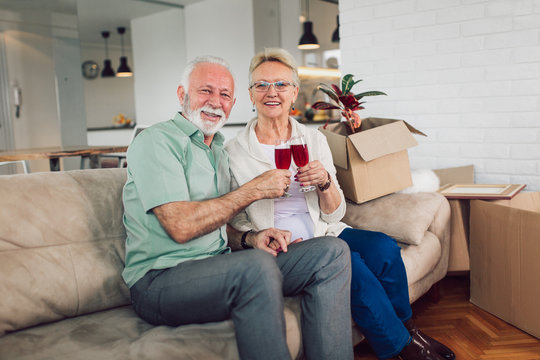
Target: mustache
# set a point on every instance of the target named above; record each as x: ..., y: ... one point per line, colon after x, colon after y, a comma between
x: 212, y: 110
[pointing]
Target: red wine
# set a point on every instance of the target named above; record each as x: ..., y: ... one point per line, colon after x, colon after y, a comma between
x: 300, y: 154
x: 283, y: 158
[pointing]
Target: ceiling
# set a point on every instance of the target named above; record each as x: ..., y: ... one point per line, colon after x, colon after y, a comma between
x: 61, y: 6
x: 95, y: 16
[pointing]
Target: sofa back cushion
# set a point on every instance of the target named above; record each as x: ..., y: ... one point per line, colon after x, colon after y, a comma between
x: 61, y: 245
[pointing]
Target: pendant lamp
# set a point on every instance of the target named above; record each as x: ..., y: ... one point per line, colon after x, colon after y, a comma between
x: 335, y: 35
x: 123, y: 70
x: 107, y: 68
x: 308, y: 41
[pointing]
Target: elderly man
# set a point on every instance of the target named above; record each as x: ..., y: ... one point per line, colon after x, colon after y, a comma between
x: 179, y: 265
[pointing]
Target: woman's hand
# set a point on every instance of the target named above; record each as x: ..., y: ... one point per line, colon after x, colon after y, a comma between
x: 313, y: 173
x: 275, y: 245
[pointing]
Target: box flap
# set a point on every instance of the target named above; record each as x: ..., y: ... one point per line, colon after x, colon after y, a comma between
x: 382, y: 140
x: 456, y: 175
x: 336, y: 138
x: 371, y: 122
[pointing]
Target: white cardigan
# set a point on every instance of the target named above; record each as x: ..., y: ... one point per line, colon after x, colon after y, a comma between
x: 248, y: 160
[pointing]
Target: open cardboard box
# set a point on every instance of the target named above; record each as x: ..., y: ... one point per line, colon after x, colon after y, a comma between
x: 505, y: 252
x: 374, y: 161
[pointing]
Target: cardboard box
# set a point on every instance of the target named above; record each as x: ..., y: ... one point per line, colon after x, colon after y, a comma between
x: 458, y: 260
x: 505, y: 252
x: 374, y: 161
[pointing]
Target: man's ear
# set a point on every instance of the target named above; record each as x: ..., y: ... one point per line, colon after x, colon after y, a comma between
x: 181, y: 92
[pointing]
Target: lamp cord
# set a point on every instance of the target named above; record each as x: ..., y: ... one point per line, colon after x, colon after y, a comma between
x: 106, y: 49
x: 122, y: 43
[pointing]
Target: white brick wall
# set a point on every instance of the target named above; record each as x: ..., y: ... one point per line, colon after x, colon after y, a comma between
x: 465, y: 72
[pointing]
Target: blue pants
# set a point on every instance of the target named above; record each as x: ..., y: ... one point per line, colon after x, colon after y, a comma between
x: 379, y: 291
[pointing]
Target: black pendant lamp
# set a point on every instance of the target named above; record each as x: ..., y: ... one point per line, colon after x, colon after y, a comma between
x: 335, y: 35
x: 107, y: 68
x: 308, y: 41
x: 123, y: 70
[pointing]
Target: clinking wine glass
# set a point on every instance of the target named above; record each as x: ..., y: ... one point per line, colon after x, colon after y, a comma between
x: 282, y: 155
x: 300, y: 155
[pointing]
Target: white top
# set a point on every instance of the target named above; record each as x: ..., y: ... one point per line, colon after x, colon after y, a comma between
x: 291, y: 213
x: 247, y: 160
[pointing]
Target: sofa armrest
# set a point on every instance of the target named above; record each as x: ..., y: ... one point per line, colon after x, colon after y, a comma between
x: 405, y: 217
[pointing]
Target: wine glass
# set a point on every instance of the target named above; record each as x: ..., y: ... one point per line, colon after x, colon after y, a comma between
x: 301, y: 156
x: 282, y: 158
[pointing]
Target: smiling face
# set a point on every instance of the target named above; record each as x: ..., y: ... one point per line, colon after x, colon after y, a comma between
x: 273, y: 104
x: 210, y: 97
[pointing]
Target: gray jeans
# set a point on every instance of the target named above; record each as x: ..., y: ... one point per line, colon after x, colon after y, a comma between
x: 248, y: 287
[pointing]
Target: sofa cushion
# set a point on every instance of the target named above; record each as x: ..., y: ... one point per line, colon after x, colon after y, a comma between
x: 61, y: 245
x: 405, y: 217
x: 120, y: 334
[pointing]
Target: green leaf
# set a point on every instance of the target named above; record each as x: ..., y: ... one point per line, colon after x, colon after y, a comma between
x: 328, y: 91
x: 356, y: 82
x: 368, y: 93
x: 347, y: 83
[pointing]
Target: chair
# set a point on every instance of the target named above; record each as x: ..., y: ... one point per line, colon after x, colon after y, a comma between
x: 121, y: 157
x: 23, y: 163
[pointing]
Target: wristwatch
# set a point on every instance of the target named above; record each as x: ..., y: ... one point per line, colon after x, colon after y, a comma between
x: 243, y: 241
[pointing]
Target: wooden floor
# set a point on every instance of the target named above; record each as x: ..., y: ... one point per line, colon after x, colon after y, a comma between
x: 469, y: 331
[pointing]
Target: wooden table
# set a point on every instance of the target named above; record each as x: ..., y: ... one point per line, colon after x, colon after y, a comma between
x: 55, y: 153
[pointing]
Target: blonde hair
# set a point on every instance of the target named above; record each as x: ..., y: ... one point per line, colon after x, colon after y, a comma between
x: 278, y: 55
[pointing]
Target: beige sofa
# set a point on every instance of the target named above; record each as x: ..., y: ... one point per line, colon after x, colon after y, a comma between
x: 61, y: 256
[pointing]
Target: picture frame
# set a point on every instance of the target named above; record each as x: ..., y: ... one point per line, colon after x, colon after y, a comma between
x: 481, y: 191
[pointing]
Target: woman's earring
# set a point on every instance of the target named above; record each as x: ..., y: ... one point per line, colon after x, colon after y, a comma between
x: 253, y: 109
x: 293, y: 107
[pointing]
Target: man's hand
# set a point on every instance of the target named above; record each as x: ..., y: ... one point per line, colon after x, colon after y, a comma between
x: 270, y: 184
x: 271, y: 240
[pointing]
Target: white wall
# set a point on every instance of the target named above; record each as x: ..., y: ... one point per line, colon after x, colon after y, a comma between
x: 291, y: 29
x: 34, y: 43
x: 466, y: 72
x: 225, y: 29
x: 159, y: 55
x: 107, y: 97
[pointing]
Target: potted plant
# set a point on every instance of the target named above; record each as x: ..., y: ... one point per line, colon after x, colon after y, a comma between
x: 345, y: 100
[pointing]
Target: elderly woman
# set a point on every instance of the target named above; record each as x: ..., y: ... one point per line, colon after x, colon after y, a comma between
x: 379, y: 292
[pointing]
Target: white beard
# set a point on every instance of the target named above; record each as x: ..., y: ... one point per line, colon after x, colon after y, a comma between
x: 206, y: 126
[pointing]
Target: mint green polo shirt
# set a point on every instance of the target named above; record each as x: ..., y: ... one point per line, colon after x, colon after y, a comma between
x: 170, y: 162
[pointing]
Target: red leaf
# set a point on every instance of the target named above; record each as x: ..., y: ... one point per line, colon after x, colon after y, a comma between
x: 336, y: 89
x: 348, y: 101
x: 321, y: 105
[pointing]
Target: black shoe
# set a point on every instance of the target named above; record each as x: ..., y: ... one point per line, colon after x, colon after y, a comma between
x: 439, y: 348
x: 418, y: 349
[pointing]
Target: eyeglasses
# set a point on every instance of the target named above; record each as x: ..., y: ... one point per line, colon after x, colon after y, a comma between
x: 264, y: 86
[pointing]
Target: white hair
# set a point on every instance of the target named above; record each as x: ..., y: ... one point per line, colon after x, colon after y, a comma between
x: 207, y: 59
